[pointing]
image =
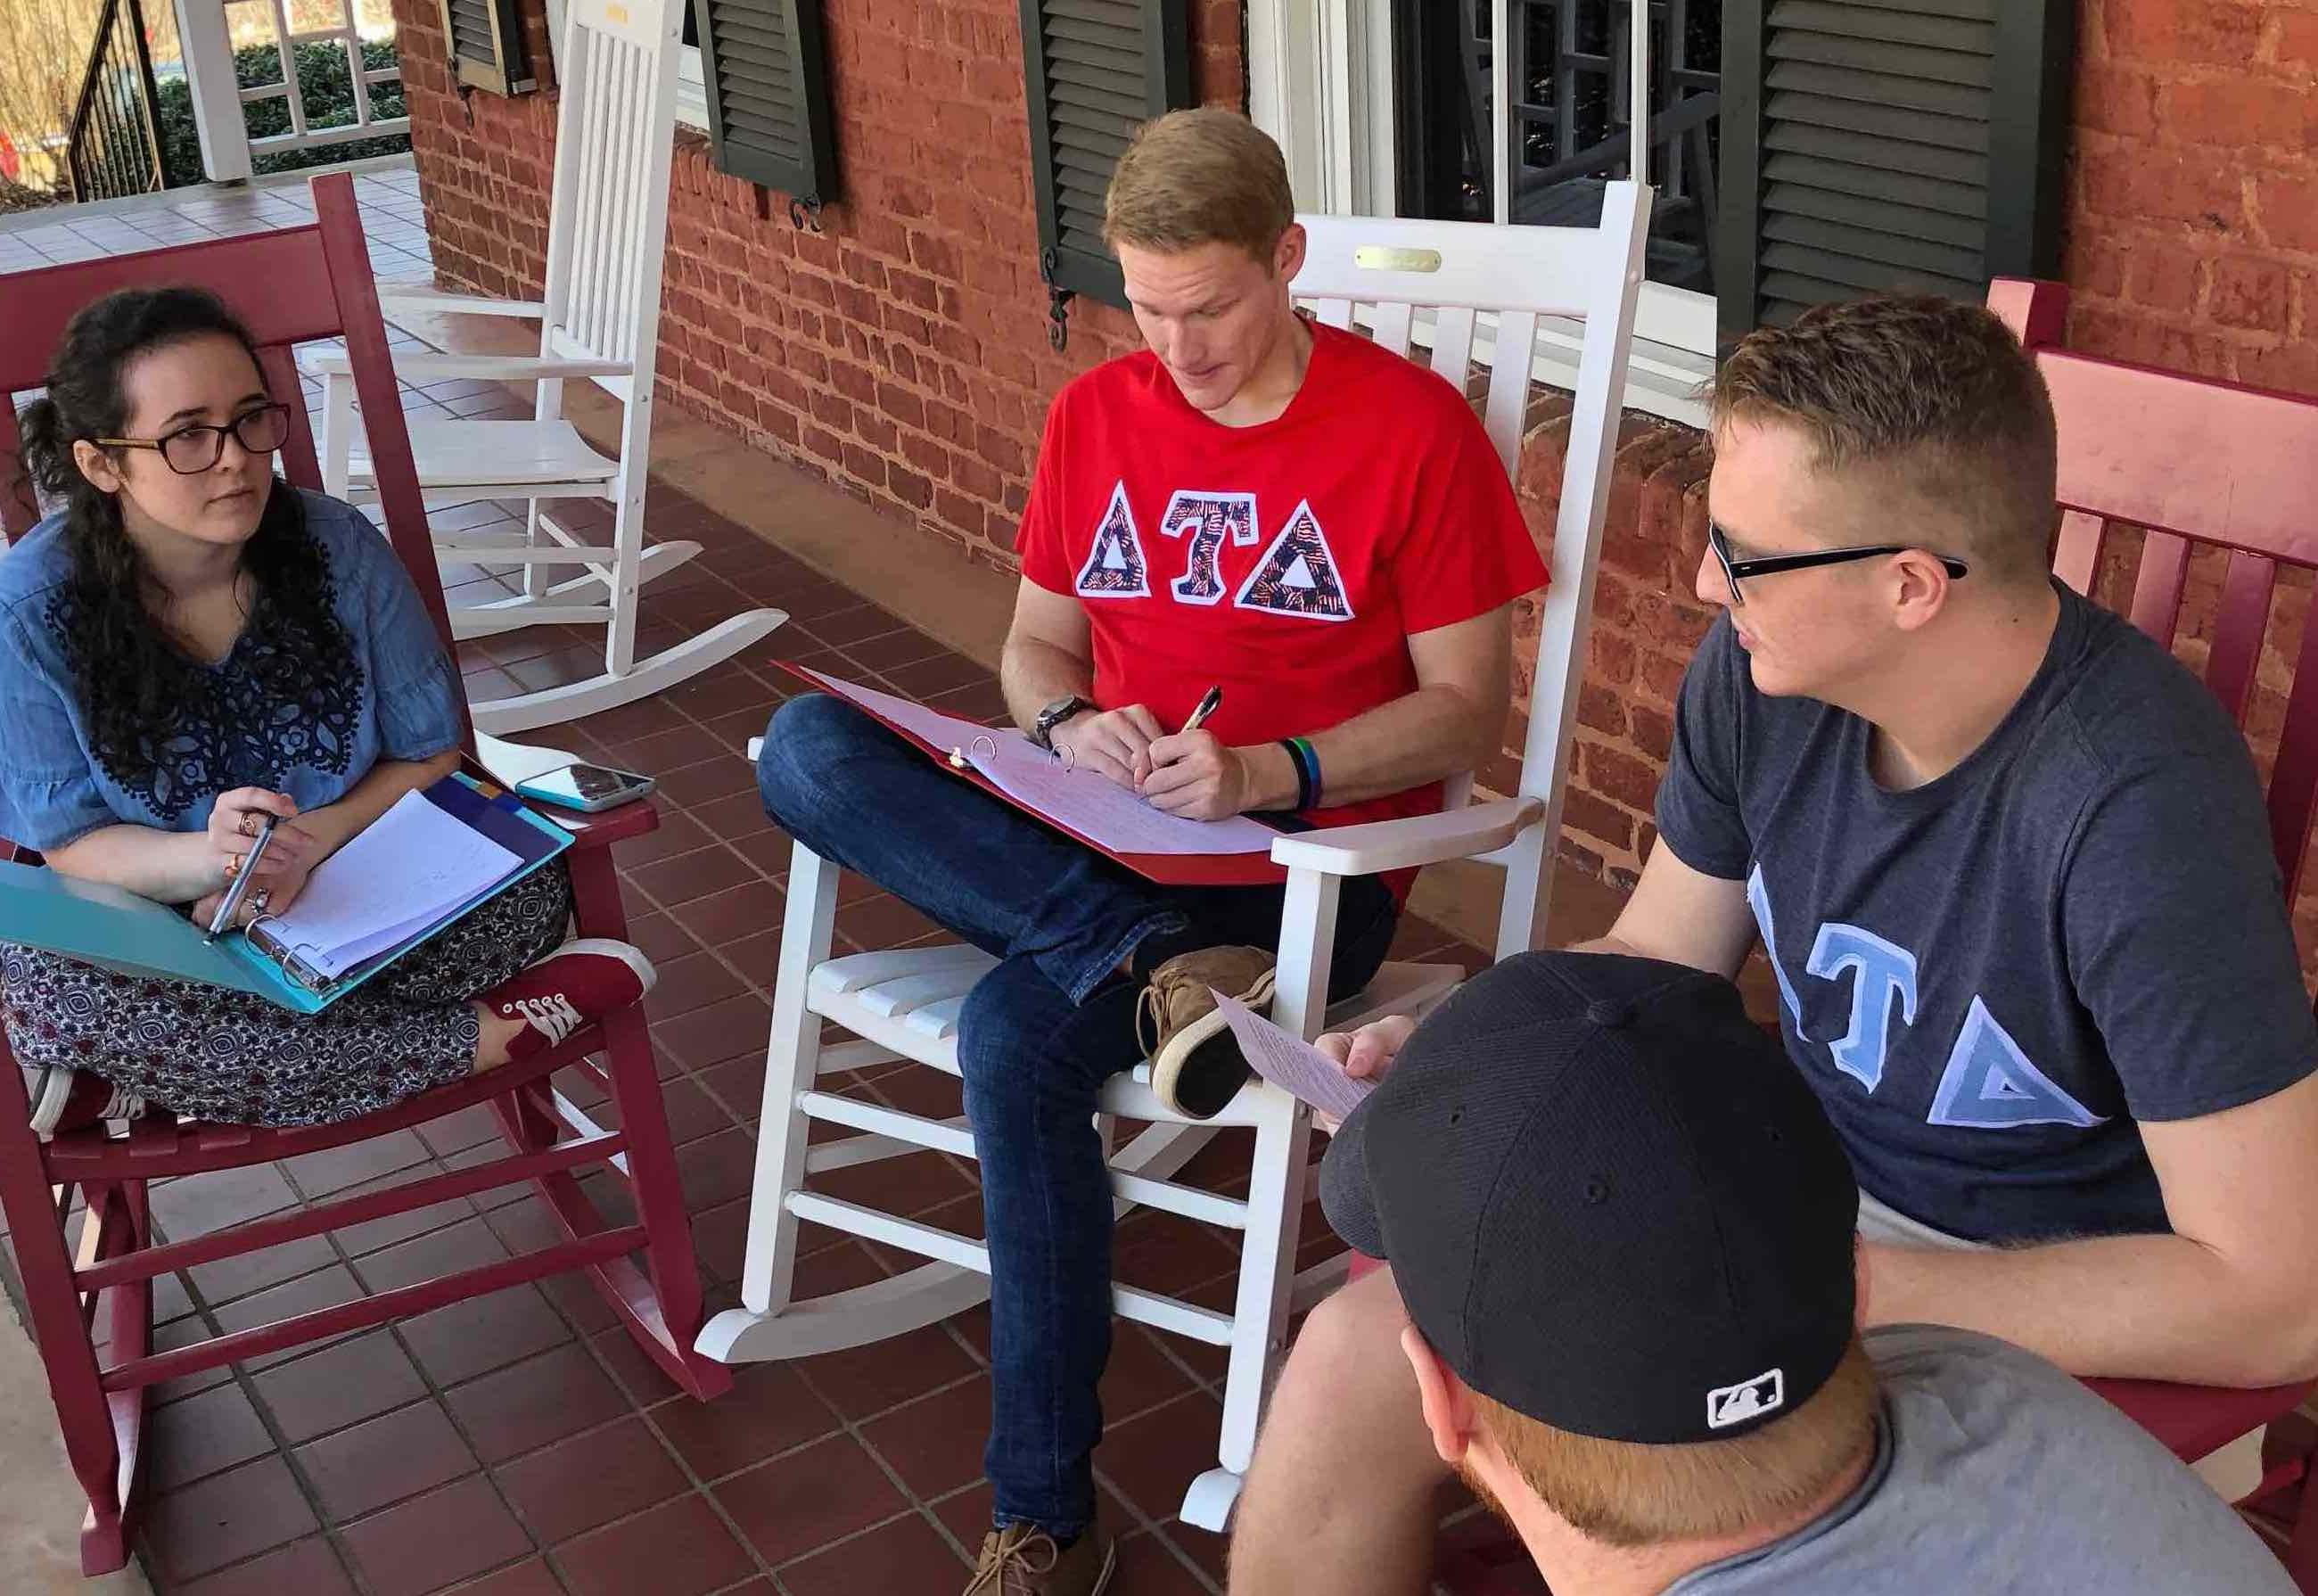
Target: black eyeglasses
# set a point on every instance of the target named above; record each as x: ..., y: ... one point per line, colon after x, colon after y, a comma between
x: 1734, y: 569
x: 190, y: 450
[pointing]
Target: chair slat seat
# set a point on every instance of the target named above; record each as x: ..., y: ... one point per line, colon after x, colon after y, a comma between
x: 503, y: 453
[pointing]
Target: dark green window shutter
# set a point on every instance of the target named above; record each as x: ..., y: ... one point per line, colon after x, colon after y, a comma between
x: 486, y: 37
x: 1096, y: 69
x: 767, y: 80
x: 1878, y: 145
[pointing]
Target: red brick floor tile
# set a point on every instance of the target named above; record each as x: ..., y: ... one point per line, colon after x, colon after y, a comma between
x: 768, y: 1410
x: 772, y: 851
x: 202, y: 1436
x: 197, y: 1205
x: 471, y: 1126
x: 720, y: 777
x: 694, y: 981
x: 446, y: 1535
x: 910, y: 1185
x: 325, y: 1288
x: 677, y: 832
x: 659, y: 937
x: 720, y: 1239
x: 225, y: 1518
x: 1162, y: 1252
x: 631, y: 1368
x: 742, y: 814
x: 744, y: 908
x: 802, y: 1502
x: 308, y: 1568
x: 896, y: 648
x: 902, y: 1553
x: 400, y: 1453
x: 946, y: 672
x: 318, y: 1175
x: 861, y: 1382
x: 739, y: 1084
x: 340, y: 1385
x: 683, y: 878
x: 231, y: 1278
x: 684, y: 744
x: 711, y: 1035
x: 1140, y: 1374
x: 883, y: 922
x: 679, y: 1548
x: 628, y: 721
x: 467, y: 1245
x: 590, y: 1479
x: 935, y: 1443
x: 966, y: 1514
x: 717, y: 1168
x: 1147, y: 1566
x: 530, y: 1577
x: 391, y: 1230
x: 726, y: 691
x: 839, y: 627
x: 484, y: 1333
x: 534, y: 1403
x: 1154, y: 1459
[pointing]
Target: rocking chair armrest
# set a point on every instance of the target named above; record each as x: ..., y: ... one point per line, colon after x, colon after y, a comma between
x: 428, y: 366
x: 436, y: 303
x: 1403, y: 844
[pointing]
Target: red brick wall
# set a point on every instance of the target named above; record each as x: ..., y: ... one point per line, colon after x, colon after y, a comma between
x: 2193, y: 205
x: 903, y: 351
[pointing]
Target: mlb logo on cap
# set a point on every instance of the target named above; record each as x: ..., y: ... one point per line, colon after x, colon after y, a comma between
x: 1727, y: 1405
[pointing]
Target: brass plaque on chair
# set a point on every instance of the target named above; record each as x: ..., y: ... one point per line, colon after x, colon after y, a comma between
x: 1386, y: 258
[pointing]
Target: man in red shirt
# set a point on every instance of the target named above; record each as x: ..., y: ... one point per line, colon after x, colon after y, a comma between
x: 1255, y: 503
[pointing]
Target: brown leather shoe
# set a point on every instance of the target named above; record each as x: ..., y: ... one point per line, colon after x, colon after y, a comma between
x: 1023, y: 1560
x: 1196, y: 1067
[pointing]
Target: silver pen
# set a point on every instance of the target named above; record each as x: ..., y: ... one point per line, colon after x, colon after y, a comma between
x: 234, y: 893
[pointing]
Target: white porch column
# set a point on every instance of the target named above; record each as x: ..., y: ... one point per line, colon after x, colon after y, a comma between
x: 1320, y: 83
x: 217, y: 95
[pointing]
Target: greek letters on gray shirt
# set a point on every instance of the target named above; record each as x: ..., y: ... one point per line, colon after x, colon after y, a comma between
x: 1997, y: 1474
x: 1993, y: 978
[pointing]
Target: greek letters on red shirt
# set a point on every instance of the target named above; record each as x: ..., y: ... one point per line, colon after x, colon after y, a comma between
x: 1288, y: 563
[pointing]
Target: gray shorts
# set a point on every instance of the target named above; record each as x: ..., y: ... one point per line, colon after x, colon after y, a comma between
x: 1880, y: 1223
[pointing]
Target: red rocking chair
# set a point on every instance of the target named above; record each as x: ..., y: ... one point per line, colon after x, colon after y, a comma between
x: 2200, y: 466
x: 290, y: 288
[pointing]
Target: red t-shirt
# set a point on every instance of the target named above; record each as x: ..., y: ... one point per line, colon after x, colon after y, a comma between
x: 1287, y: 562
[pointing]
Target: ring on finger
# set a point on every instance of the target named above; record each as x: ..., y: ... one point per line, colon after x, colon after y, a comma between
x: 249, y: 824
x: 258, y: 900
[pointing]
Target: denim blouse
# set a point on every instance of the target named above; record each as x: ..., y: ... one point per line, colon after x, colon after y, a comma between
x: 400, y: 700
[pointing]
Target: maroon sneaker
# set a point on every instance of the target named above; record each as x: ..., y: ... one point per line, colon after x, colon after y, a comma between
x: 577, y: 985
x: 67, y: 1099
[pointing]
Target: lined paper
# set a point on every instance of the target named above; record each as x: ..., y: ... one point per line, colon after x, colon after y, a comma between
x: 407, y: 868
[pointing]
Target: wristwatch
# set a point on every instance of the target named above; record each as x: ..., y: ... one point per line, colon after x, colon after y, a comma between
x: 1042, y: 730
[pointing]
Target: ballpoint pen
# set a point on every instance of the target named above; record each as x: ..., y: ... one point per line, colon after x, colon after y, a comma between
x: 1214, y: 697
x: 240, y: 886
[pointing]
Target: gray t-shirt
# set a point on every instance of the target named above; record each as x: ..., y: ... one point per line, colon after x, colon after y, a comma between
x: 1992, y: 979
x: 1997, y: 1474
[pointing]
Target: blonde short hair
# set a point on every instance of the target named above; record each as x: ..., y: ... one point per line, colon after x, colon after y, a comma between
x: 1626, y: 1493
x: 1195, y: 177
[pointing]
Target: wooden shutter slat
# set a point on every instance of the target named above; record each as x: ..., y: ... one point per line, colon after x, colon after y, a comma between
x: 1875, y: 215
x: 1911, y: 253
x: 486, y: 44
x: 1885, y: 121
x: 1094, y: 70
x: 1962, y: 101
x: 1894, y: 25
x: 1880, y: 154
x: 1866, y: 275
x: 1956, y: 199
x: 767, y: 75
x: 1870, y: 55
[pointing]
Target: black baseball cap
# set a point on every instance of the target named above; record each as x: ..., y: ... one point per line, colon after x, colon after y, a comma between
x: 1610, y: 1201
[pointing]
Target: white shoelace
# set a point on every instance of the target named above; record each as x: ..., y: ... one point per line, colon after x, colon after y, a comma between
x: 554, y: 1017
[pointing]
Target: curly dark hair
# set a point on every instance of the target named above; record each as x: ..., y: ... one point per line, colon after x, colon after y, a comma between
x: 134, y: 683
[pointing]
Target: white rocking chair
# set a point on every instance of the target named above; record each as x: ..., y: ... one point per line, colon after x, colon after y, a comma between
x: 607, y: 233
x: 905, y: 1003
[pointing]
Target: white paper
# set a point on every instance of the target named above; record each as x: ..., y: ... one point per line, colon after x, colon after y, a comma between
x: 1289, y: 1062
x: 1095, y: 806
x: 405, y: 870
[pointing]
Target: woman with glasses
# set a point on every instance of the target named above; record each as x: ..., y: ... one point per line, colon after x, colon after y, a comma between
x: 188, y: 646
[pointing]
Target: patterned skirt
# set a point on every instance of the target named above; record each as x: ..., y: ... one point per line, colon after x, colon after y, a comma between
x: 232, y: 1058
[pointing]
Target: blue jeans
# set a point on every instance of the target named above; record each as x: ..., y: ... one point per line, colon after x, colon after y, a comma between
x: 1038, y: 1037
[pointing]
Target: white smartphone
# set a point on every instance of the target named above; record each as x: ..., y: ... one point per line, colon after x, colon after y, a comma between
x: 585, y: 787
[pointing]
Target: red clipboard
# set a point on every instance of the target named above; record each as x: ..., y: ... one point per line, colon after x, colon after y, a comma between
x: 1169, y: 869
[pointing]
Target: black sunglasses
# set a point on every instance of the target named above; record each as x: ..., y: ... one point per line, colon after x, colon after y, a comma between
x: 191, y: 450
x: 1734, y: 569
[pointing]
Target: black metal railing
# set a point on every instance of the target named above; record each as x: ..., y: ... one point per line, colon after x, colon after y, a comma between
x: 114, y: 147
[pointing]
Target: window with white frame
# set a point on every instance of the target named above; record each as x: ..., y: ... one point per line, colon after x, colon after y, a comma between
x: 1388, y: 107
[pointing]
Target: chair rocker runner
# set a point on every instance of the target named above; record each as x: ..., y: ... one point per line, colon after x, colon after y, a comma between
x: 90, y: 1307
x: 905, y: 1004
x: 599, y: 323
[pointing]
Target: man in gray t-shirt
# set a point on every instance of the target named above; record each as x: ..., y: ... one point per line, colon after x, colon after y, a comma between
x: 1621, y: 1225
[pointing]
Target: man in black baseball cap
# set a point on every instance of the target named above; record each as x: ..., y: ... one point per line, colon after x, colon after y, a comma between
x: 1624, y: 1231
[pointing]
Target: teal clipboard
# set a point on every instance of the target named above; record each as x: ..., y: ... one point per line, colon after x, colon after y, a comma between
x: 118, y: 930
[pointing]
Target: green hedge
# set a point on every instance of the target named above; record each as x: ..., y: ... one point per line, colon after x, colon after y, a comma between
x: 324, y: 86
